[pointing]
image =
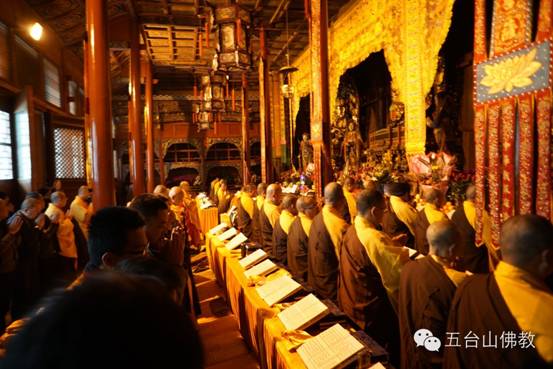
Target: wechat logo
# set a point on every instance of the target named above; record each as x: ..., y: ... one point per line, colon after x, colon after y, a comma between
x: 423, y: 337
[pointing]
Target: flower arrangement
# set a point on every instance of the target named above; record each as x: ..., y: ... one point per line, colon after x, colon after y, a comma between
x: 459, y: 182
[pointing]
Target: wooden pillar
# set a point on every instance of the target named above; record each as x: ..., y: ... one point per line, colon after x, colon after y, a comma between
x: 245, y: 132
x: 320, y: 111
x: 161, y: 162
x: 99, y: 103
x: 264, y: 112
x: 86, y: 109
x: 135, y: 115
x: 148, y: 120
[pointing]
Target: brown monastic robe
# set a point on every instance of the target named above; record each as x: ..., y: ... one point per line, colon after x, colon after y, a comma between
x: 425, y: 295
x: 266, y: 232
x: 297, y: 250
x: 393, y: 226
x: 470, y: 257
x: 249, y: 226
x: 322, y: 265
x: 422, y: 224
x: 478, y: 306
x: 280, y: 239
x: 362, y: 296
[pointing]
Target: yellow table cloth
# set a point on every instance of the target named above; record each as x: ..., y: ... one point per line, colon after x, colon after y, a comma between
x: 209, y: 218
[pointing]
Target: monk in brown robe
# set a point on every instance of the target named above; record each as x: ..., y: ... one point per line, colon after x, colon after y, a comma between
x: 400, y: 217
x: 430, y: 214
x: 248, y: 214
x: 223, y: 198
x: 427, y: 286
x: 349, y: 189
x: 282, y: 228
x: 470, y: 255
x: 325, y: 238
x: 370, y: 265
x: 298, y: 237
x: 513, y: 300
x: 261, y: 192
x: 269, y: 215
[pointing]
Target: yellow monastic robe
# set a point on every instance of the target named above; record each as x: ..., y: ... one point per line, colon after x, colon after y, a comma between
x: 259, y: 201
x: 433, y: 214
x: 272, y: 212
x: 454, y: 275
x: 352, y: 203
x: 335, y: 227
x: 405, y: 212
x: 286, y: 218
x: 247, y: 203
x: 305, y: 223
x: 529, y: 301
x: 385, y: 256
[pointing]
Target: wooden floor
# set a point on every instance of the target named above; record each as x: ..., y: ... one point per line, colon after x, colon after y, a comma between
x: 223, y: 344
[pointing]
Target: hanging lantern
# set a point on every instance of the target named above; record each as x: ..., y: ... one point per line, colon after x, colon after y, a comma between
x: 217, y: 90
x: 233, y: 39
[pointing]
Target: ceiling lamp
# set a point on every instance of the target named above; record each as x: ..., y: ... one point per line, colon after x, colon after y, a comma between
x: 233, y: 38
x: 286, y: 71
x: 36, y: 31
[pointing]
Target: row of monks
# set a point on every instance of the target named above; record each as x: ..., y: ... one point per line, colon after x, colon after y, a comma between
x: 353, y: 252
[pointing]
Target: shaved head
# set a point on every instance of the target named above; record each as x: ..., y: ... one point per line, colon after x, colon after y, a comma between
x: 289, y: 203
x: 349, y: 184
x: 307, y: 205
x: 176, y: 194
x: 442, y: 237
x: 432, y: 196
x: 470, y: 193
x: 526, y: 242
x: 274, y: 193
x: 334, y: 195
x: 261, y: 189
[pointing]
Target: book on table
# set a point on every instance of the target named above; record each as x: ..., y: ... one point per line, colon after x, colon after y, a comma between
x: 303, y: 313
x: 253, y: 258
x: 218, y: 229
x: 330, y: 349
x: 278, y: 289
x: 227, y: 234
x: 236, y: 241
x: 261, y: 269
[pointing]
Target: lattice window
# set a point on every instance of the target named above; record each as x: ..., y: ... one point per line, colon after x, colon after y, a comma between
x: 182, y: 152
x: 6, y: 163
x: 52, y: 83
x: 223, y: 151
x: 69, y: 153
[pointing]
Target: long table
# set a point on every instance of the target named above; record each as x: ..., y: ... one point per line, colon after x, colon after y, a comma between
x: 257, y: 321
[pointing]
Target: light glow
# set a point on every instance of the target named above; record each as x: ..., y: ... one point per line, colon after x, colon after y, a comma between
x: 36, y: 31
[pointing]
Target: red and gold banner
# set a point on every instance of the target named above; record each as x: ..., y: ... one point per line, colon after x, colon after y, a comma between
x: 480, y: 139
x: 508, y: 156
x: 526, y: 155
x: 543, y: 186
x: 512, y: 26
x: 494, y: 166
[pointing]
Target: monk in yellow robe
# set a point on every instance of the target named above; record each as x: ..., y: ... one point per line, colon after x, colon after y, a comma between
x: 513, y: 300
x: 248, y: 214
x: 400, y: 217
x: 282, y: 228
x: 261, y: 192
x: 370, y: 266
x: 298, y: 236
x: 224, y: 198
x: 192, y: 216
x: 269, y: 216
x: 433, y: 199
x: 325, y: 239
x: 349, y: 189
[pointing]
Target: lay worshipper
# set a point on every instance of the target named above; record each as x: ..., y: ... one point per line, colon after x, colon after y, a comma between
x: 325, y: 238
x: 433, y: 199
x: 248, y: 214
x: 261, y: 192
x: 81, y: 208
x: 298, y: 240
x: 349, y: 188
x: 224, y: 198
x: 269, y: 215
x: 427, y: 286
x: 282, y: 228
x: 370, y: 266
x: 67, y: 248
x: 513, y: 299
x: 470, y: 255
x: 400, y: 217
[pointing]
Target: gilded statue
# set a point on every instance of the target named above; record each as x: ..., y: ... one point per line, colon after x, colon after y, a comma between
x: 352, y: 147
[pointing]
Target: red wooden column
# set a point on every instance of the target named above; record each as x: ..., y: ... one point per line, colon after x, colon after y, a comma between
x: 264, y: 112
x: 98, y: 103
x: 245, y: 132
x: 135, y: 115
x: 320, y: 111
x: 150, y: 131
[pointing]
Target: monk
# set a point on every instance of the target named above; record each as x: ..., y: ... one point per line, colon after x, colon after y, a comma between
x: 370, y: 265
x: 513, y: 300
x: 400, y: 217
x: 248, y: 214
x: 297, y: 236
x: 192, y: 217
x: 430, y: 214
x: 282, y: 228
x: 261, y: 192
x: 223, y: 198
x: 427, y: 286
x: 349, y: 188
x: 269, y: 215
x: 325, y: 238
x: 473, y: 256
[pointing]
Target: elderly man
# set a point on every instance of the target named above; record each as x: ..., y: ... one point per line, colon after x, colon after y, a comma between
x: 81, y: 209
x: 470, y: 255
x: 298, y: 239
x: 433, y: 199
x: 514, y: 300
x: 400, y: 217
x: 269, y: 215
x: 282, y: 228
x: 427, y: 286
x: 370, y: 266
x: 325, y: 238
x: 248, y: 214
